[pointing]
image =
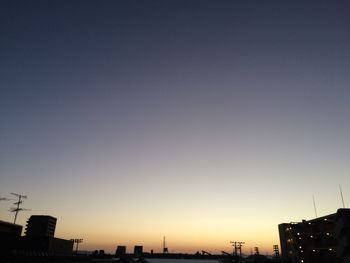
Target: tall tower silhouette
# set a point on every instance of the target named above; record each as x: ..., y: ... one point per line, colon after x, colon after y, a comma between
x: 165, y: 249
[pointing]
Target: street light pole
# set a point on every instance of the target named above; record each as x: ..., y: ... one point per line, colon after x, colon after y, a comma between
x: 77, y: 241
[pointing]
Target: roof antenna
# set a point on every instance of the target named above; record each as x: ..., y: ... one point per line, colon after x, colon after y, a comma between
x: 18, y: 204
x: 313, y: 198
x: 341, y: 195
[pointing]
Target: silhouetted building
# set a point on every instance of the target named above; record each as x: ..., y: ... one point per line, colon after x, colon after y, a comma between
x: 138, y: 250
x: 121, y: 251
x: 10, y: 235
x: 323, y: 239
x: 45, y: 246
x: 41, y: 226
x: 38, y: 241
x: 9, y: 230
x: 39, y: 238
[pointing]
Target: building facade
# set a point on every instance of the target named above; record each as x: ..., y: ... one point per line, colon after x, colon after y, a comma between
x: 10, y: 235
x: 41, y: 226
x: 323, y: 239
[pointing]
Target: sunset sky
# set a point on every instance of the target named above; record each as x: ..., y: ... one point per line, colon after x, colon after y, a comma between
x: 202, y: 121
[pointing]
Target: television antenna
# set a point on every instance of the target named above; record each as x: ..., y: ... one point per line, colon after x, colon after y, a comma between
x: 18, y: 203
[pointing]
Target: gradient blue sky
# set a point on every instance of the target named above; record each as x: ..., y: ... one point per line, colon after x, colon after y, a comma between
x: 204, y: 121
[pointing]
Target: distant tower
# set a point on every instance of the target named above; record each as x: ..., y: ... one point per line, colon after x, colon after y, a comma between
x: 41, y: 226
x: 165, y: 249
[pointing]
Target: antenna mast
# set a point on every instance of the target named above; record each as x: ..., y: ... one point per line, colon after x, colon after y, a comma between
x: 313, y: 198
x: 165, y: 249
x: 18, y: 203
x: 341, y: 195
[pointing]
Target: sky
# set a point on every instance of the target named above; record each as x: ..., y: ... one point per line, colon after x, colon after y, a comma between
x: 202, y: 121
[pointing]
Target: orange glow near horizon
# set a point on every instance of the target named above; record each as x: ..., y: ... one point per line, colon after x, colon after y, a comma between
x: 183, y: 236
x: 189, y: 227
x: 176, y: 244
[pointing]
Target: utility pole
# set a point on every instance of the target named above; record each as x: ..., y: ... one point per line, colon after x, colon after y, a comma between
x: 276, y: 252
x: 18, y: 203
x: 237, y: 247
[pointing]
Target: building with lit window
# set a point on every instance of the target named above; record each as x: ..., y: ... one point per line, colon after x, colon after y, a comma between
x: 323, y: 239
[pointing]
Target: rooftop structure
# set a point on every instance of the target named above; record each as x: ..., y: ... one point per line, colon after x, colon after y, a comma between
x: 41, y: 226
